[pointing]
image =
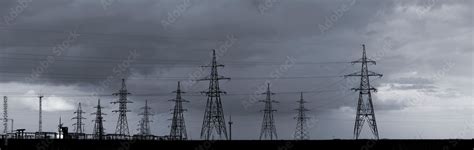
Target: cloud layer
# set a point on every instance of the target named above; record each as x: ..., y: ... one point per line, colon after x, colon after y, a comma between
x: 77, y: 51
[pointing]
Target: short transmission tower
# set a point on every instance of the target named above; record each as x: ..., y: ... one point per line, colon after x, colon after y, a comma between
x: 5, y: 114
x: 60, y: 125
x: 365, y: 107
x: 268, y: 131
x: 79, y: 126
x: 145, y: 121
x: 214, y: 120
x: 301, y: 132
x: 178, y: 126
x: 122, y: 123
x: 99, y: 130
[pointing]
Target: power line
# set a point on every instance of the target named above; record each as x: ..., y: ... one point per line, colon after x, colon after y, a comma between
x: 17, y: 94
x: 197, y: 61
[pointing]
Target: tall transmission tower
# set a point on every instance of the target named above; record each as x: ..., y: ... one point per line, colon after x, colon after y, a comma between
x: 365, y: 107
x: 268, y: 131
x: 214, y: 121
x: 99, y: 130
x: 5, y: 114
x: 178, y: 125
x: 301, y: 132
x: 79, y: 126
x: 122, y: 123
x: 40, y: 120
x: 145, y: 121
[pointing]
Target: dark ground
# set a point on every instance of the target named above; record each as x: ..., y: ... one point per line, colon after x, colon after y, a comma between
x: 12, y: 144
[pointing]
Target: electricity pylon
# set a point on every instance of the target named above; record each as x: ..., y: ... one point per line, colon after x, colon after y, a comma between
x: 144, y: 124
x: 268, y: 131
x: 301, y: 132
x: 122, y: 123
x: 40, y: 120
x: 365, y: 108
x: 178, y: 126
x: 99, y: 130
x: 79, y: 126
x: 60, y: 126
x: 214, y: 121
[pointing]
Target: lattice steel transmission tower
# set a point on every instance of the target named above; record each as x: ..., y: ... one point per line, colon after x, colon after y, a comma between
x: 5, y: 114
x: 268, y: 131
x: 144, y: 124
x: 178, y: 125
x: 214, y: 121
x: 79, y: 126
x: 365, y: 108
x: 40, y: 120
x: 122, y: 123
x: 301, y: 132
x: 99, y: 130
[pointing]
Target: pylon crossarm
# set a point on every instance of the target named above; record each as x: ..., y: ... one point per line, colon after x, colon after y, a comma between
x: 210, y: 66
x: 222, y: 78
x: 370, y: 73
x: 365, y: 89
x: 356, y: 74
x: 362, y: 61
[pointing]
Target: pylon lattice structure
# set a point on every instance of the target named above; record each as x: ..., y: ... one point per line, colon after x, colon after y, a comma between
x: 79, y: 126
x: 5, y: 114
x: 144, y: 124
x: 301, y: 132
x: 214, y: 121
x: 268, y: 131
x: 365, y: 108
x: 99, y: 130
x: 178, y: 125
x: 122, y: 123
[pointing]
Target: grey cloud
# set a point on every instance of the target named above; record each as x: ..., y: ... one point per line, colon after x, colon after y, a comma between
x: 286, y: 29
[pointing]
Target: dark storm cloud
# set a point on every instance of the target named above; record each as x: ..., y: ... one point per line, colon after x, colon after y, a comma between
x: 172, y: 38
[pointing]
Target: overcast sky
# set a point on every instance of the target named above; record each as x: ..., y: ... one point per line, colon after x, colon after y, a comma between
x: 78, y: 50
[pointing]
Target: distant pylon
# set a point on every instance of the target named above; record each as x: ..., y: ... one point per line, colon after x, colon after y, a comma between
x: 60, y: 126
x: 5, y: 114
x: 99, y: 130
x: 178, y: 125
x: 301, y: 132
x: 365, y: 107
x: 268, y: 131
x: 122, y: 123
x: 214, y: 121
x: 79, y: 126
x: 40, y: 120
x: 144, y: 123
